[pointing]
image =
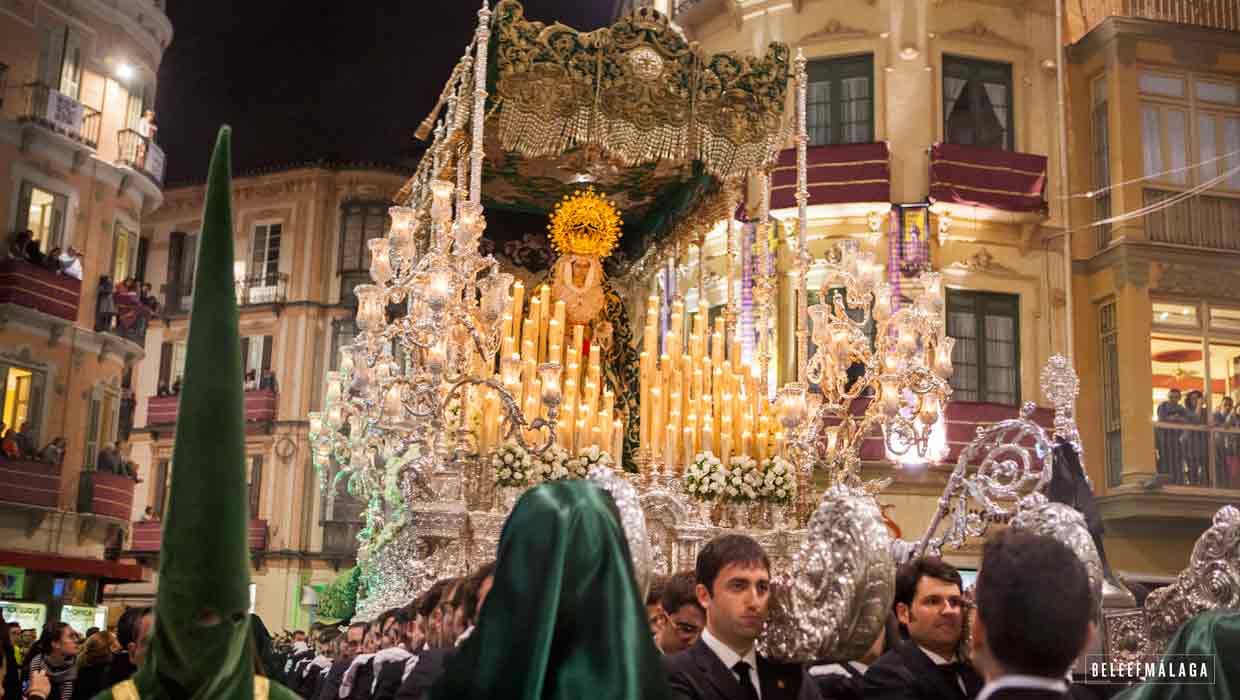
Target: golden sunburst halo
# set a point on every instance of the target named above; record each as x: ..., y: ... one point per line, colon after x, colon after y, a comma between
x: 585, y: 223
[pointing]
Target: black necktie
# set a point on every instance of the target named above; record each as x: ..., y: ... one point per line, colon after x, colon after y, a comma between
x: 952, y: 673
x: 747, y: 690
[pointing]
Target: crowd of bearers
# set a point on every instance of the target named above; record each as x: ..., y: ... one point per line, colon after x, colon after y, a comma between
x: 400, y: 654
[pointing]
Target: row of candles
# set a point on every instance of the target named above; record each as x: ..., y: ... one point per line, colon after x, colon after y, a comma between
x: 698, y: 396
x: 543, y: 362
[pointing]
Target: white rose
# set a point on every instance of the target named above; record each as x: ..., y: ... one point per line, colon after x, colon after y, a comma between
x: 781, y: 493
x: 507, y: 459
x: 505, y: 473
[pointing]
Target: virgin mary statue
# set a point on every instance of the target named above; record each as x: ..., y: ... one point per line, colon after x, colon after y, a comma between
x: 584, y: 229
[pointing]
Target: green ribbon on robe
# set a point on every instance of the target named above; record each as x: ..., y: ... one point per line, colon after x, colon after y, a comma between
x: 564, y: 618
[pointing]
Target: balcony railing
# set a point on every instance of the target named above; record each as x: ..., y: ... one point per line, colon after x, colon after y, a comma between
x: 1201, y: 221
x: 263, y: 289
x: 141, y: 154
x: 260, y: 406
x: 25, y: 284
x: 109, y: 495
x: 58, y: 112
x: 1198, y: 455
x: 837, y: 174
x: 29, y: 483
x: 1216, y: 14
x: 340, y: 537
x: 147, y: 536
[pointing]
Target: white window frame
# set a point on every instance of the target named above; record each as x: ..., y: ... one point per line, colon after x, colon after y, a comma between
x: 1193, y: 108
x: 263, y: 293
x: 23, y: 173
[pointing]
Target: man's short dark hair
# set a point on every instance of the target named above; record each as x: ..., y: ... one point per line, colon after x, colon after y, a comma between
x: 1034, y: 599
x: 129, y: 625
x: 724, y: 550
x: 473, y: 584
x: 910, y: 574
x: 679, y: 592
x: 654, y: 594
x: 430, y: 600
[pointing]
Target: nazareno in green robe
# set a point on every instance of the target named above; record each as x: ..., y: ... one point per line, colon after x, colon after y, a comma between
x: 564, y: 619
x: 202, y: 646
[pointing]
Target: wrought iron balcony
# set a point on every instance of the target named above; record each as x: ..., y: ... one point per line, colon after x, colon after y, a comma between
x: 1216, y: 14
x: 263, y: 289
x: 34, y: 287
x: 141, y: 154
x: 340, y: 537
x: 57, y: 112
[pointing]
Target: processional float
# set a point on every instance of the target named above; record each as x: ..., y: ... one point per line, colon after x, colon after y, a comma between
x: 459, y: 392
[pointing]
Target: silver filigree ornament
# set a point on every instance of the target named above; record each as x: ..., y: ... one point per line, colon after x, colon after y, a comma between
x: 1212, y: 580
x: 1013, y: 459
x: 834, y: 601
x: 632, y: 519
x: 1067, y: 525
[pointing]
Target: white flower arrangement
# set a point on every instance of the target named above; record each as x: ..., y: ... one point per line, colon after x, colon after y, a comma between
x: 779, y: 482
x: 552, y: 465
x: 743, y: 480
x: 706, y: 478
x: 588, y: 459
x: 512, y: 464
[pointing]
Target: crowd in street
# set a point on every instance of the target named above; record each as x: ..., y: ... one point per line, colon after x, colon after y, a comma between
x: 63, y: 664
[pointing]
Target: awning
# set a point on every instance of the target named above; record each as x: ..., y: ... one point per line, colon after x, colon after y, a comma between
x: 55, y: 563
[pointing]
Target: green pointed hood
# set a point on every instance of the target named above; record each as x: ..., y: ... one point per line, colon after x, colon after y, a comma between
x: 201, y: 640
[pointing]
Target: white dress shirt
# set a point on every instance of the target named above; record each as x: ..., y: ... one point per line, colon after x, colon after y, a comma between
x: 729, y: 659
x: 1018, y: 681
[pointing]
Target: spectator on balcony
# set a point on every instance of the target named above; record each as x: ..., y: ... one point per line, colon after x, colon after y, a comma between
x: 251, y: 381
x: 268, y: 382
x: 52, y: 261
x: 25, y: 441
x: 105, y: 305
x: 71, y: 263
x: 148, y: 514
x: 9, y: 445
x: 163, y: 390
x: 1226, y: 445
x: 1167, y: 440
x: 17, y: 247
x: 109, y: 460
x: 1195, y: 442
x: 26, y: 247
x: 146, y: 129
x: 147, y: 298
x: 176, y: 386
x: 54, y: 452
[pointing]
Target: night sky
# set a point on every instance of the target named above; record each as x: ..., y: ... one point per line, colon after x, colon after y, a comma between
x: 300, y: 81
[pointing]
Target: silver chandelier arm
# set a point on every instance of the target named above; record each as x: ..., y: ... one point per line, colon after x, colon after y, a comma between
x: 517, y: 424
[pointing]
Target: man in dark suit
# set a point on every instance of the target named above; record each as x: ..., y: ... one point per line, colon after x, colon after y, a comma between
x: 684, y: 616
x: 734, y: 586
x: 927, y: 666
x: 431, y: 663
x: 329, y: 687
x: 1032, y: 621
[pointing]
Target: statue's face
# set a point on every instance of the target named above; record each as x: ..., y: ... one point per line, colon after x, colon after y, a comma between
x: 581, y: 268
